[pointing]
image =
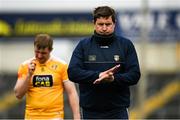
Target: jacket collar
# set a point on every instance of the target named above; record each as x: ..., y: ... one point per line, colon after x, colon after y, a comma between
x: 103, y: 40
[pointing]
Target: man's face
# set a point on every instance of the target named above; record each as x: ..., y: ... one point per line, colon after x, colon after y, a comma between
x: 42, y: 55
x: 104, y: 26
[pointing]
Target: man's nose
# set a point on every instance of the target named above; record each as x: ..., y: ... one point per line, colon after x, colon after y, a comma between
x: 104, y: 27
x: 40, y: 55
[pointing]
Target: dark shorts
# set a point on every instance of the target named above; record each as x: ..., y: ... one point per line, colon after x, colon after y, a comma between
x: 109, y: 114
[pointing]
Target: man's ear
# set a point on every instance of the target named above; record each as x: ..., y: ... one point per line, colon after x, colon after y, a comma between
x: 51, y: 50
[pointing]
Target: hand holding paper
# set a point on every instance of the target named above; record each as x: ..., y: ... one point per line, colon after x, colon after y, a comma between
x: 107, y: 76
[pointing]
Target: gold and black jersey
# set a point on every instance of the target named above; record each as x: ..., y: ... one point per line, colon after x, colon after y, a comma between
x: 44, y: 98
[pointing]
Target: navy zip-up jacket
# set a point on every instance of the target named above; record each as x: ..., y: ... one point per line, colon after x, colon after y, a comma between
x: 96, y: 54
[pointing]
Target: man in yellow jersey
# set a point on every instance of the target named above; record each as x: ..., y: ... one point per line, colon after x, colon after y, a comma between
x: 43, y: 79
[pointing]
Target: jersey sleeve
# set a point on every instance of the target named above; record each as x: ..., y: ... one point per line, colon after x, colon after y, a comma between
x: 22, y: 72
x: 64, y: 72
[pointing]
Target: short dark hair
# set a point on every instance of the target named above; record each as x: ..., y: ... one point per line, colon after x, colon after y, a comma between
x: 104, y: 11
x: 43, y: 41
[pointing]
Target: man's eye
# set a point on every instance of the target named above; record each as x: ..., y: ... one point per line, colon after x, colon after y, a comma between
x: 101, y: 24
x: 108, y: 24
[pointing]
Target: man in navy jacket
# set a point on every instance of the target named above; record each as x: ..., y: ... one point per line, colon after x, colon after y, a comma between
x: 104, y: 65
